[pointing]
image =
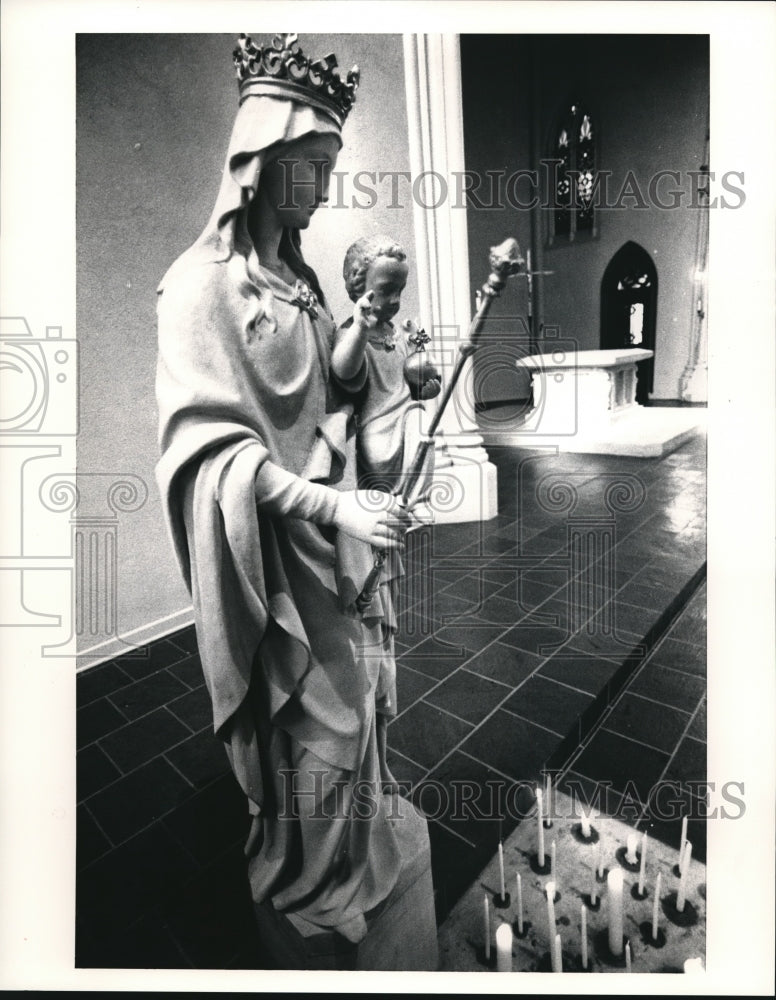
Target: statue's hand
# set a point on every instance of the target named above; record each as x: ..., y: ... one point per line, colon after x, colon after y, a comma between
x: 376, y: 518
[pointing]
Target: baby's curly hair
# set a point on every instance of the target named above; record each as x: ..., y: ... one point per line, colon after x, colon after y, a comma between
x: 361, y: 254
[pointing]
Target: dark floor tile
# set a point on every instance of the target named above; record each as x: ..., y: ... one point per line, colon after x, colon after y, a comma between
x: 511, y: 745
x: 200, y: 759
x: 404, y: 771
x: 632, y: 768
x: 467, y: 695
x: 690, y: 629
x: 144, y: 696
x: 549, y: 704
x: 151, y: 658
x: 499, y: 610
x: 93, y: 771
x: 96, y: 720
x: 119, y: 888
x: 698, y: 725
x: 189, y: 671
x: 659, y: 726
x: 138, y: 799
x: 90, y: 841
x: 99, y: 681
x: 212, y: 920
x: 454, y: 866
x: 210, y: 822
x: 473, y: 800
x: 669, y: 687
x: 663, y: 576
x: 186, y: 639
x: 195, y: 709
x: 425, y: 734
x: 410, y: 686
x: 474, y: 589
x: 611, y: 645
x: 147, y: 944
x: 433, y: 661
x: 504, y: 663
x: 683, y: 656
x: 541, y: 640
x: 443, y: 607
x: 630, y: 618
x: 689, y: 762
x: 598, y: 797
x: 585, y: 673
x: 139, y: 741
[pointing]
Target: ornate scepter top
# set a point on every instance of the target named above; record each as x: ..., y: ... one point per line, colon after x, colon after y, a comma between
x: 281, y: 69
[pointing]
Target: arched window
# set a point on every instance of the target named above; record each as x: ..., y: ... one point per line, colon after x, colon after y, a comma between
x: 573, y: 180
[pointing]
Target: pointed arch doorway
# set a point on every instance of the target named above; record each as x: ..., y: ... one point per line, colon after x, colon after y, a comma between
x: 629, y: 309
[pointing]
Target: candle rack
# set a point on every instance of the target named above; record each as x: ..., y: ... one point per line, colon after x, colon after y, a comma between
x: 679, y: 934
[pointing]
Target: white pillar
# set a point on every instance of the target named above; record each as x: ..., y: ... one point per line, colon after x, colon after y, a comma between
x: 432, y: 68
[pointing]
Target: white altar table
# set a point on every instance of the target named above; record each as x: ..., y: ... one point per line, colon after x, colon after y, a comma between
x: 585, y: 401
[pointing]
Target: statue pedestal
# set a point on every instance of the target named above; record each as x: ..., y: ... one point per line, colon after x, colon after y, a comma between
x: 402, y: 932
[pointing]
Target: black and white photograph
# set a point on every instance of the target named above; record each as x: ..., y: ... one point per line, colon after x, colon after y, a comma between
x: 386, y: 426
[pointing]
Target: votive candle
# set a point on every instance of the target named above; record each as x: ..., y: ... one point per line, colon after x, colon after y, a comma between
x: 519, y: 887
x: 680, y: 896
x: 583, y: 913
x: 550, y: 890
x: 682, y: 839
x: 585, y: 824
x: 557, y: 955
x: 655, y: 907
x: 486, y: 921
x: 614, y: 886
x: 502, y: 887
x: 630, y: 853
x: 504, y: 948
x: 628, y: 967
x: 643, y: 865
x: 600, y: 862
x: 553, y: 858
x: 539, y: 813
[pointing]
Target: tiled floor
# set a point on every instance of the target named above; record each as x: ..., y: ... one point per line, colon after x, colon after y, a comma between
x: 507, y: 667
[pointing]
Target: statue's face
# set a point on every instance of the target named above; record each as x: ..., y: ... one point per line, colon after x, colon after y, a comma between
x: 386, y: 277
x: 295, y: 184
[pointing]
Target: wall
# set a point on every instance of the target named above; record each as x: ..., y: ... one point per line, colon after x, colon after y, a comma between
x: 649, y: 96
x: 154, y: 114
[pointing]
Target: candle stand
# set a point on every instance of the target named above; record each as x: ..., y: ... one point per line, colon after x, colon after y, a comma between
x: 679, y: 935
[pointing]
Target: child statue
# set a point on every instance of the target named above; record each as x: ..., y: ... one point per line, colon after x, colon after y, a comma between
x: 390, y: 409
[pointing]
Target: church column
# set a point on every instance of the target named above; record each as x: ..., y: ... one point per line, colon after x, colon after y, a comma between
x: 432, y: 67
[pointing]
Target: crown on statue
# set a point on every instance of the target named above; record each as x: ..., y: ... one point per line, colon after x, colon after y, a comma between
x: 280, y: 69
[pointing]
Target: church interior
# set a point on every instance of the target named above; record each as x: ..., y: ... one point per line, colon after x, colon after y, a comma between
x: 560, y: 635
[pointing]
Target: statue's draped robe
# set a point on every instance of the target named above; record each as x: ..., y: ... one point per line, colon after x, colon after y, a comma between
x: 291, y: 668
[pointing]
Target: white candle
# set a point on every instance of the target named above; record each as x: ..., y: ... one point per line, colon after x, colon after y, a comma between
x: 552, y: 859
x: 504, y: 948
x: 548, y: 800
x: 680, y: 896
x: 630, y: 853
x: 594, y: 891
x: 519, y: 882
x: 682, y: 839
x: 557, y: 955
x: 502, y: 887
x: 550, y: 890
x: 541, y: 827
x: 614, y: 886
x: 600, y: 864
x: 584, y: 936
x: 643, y: 866
x: 693, y: 965
x: 655, y: 905
x: 486, y: 918
x: 628, y: 957
x: 585, y: 824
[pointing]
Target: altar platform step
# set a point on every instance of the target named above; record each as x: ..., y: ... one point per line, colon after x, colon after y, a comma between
x: 640, y: 432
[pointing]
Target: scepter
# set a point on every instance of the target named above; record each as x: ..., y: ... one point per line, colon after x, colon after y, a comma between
x: 505, y: 261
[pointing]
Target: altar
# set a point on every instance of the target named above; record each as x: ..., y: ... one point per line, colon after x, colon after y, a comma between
x: 585, y: 401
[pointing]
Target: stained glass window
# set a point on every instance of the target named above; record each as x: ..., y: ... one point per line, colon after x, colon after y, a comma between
x: 574, y: 152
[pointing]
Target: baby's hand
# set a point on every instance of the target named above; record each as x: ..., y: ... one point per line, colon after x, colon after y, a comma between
x: 362, y: 314
x: 431, y: 388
